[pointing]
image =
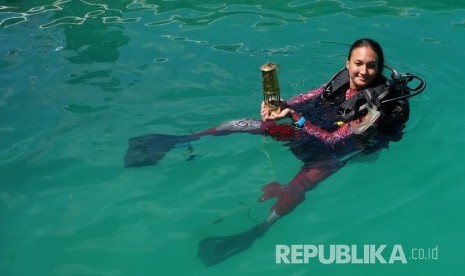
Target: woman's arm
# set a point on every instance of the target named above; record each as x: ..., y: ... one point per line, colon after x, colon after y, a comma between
x: 289, y: 104
x: 305, y: 97
x: 345, y: 130
x: 327, y: 137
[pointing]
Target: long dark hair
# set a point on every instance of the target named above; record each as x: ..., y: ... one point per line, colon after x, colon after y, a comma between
x: 367, y: 42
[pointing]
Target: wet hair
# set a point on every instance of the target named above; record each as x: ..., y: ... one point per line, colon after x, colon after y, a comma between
x: 367, y: 42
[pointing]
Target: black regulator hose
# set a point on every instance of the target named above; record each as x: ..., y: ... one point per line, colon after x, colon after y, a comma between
x: 403, y: 80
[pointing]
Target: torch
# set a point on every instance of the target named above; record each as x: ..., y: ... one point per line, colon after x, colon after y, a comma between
x: 271, y: 91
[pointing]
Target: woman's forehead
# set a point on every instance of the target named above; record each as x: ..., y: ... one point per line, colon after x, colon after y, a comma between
x: 363, y: 53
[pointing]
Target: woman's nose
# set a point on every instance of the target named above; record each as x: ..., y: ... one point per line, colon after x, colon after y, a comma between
x: 364, y: 70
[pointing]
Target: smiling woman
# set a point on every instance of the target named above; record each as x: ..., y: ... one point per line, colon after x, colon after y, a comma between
x: 364, y: 63
x: 78, y: 78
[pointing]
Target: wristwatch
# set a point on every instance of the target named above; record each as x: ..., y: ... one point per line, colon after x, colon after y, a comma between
x: 300, y: 123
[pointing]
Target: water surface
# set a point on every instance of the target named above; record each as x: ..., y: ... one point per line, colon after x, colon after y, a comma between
x: 78, y: 78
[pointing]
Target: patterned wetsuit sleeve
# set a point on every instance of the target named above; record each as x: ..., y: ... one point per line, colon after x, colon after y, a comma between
x: 305, y: 97
x: 326, y: 137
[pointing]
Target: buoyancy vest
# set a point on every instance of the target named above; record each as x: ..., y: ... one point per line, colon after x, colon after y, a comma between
x: 394, y: 113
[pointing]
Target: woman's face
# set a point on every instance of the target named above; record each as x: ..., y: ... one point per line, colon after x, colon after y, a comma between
x: 362, y: 66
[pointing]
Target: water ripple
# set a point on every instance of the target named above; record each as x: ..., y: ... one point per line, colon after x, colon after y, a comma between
x: 459, y: 24
x: 74, y: 20
x: 66, y: 12
x: 11, y: 18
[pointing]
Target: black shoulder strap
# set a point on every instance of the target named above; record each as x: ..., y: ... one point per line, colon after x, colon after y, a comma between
x: 340, y: 79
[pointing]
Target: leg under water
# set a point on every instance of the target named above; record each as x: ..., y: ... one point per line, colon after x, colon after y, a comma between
x: 148, y: 149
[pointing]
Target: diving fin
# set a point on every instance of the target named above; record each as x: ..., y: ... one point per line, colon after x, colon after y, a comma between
x: 148, y: 149
x: 214, y: 250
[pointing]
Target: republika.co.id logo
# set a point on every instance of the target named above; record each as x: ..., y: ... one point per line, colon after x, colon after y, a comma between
x: 352, y: 254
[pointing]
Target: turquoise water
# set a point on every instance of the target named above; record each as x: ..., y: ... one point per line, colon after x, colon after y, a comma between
x: 78, y: 78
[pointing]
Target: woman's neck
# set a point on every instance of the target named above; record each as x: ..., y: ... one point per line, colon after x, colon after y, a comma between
x: 351, y: 92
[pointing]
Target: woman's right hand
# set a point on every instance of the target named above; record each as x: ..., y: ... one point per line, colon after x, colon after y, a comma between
x: 272, y: 116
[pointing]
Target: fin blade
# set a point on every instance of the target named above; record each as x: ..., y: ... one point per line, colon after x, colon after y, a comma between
x: 148, y: 149
x: 214, y: 250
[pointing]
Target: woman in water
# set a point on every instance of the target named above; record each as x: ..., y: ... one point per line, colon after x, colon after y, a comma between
x: 357, y: 111
x: 364, y: 66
